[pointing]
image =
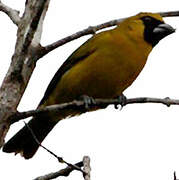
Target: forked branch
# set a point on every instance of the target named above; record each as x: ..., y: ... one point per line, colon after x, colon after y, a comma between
x: 12, y: 13
x: 22, y: 63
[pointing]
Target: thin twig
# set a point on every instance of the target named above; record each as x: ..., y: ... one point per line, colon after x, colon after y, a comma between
x: 12, y: 13
x: 80, y: 105
x: 60, y: 159
x: 63, y: 172
x: 92, y: 30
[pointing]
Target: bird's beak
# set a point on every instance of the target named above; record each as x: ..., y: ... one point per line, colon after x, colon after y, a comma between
x: 163, y: 29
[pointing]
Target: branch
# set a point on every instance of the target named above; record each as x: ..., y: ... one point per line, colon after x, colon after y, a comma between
x: 22, y: 64
x: 87, y: 168
x: 70, y: 167
x: 80, y: 105
x: 92, y: 30
x: 169, y: 14
x: 84, y: 32
x: 12, y: 13
x: 32, y: 27
x: 38, y: 33
x: 60, y: 159
x: 62, y: 172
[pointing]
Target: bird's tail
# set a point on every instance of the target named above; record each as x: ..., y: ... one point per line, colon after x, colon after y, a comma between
x: 24, y: 143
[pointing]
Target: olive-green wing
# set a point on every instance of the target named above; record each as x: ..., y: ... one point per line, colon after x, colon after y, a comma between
x: 81, y: 53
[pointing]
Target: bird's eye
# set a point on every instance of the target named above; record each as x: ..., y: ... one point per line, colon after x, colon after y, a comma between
x: 147, y: 19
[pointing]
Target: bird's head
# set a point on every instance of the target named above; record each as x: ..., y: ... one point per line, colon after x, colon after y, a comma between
x: 148, y: 26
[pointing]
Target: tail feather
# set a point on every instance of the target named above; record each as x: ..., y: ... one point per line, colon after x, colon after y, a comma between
x: 24, y: 143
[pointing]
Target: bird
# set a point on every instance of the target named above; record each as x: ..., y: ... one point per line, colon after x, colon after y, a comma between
x: 102, y: 67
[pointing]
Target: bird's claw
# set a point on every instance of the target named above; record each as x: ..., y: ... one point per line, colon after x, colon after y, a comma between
x: 88, y: 101
x: 122, y: 101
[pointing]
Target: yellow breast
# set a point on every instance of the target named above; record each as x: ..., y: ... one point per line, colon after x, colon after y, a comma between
x: 112, y: 67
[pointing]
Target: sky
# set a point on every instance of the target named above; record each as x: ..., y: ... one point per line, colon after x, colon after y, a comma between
x: 141, y: 141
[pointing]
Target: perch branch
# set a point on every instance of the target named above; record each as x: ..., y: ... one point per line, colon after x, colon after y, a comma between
x: 92, y: 30
x: 12, y: 13
x: 63, y: 172
x: 80, y: 105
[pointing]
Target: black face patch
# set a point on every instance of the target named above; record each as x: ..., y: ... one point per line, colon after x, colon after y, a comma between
x: 150, y: 24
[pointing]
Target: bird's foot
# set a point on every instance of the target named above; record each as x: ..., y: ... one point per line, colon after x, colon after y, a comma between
x: 88, y: 101
x: 121, y: 100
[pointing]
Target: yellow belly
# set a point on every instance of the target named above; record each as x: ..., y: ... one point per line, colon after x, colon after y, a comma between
x: 104, y: 74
